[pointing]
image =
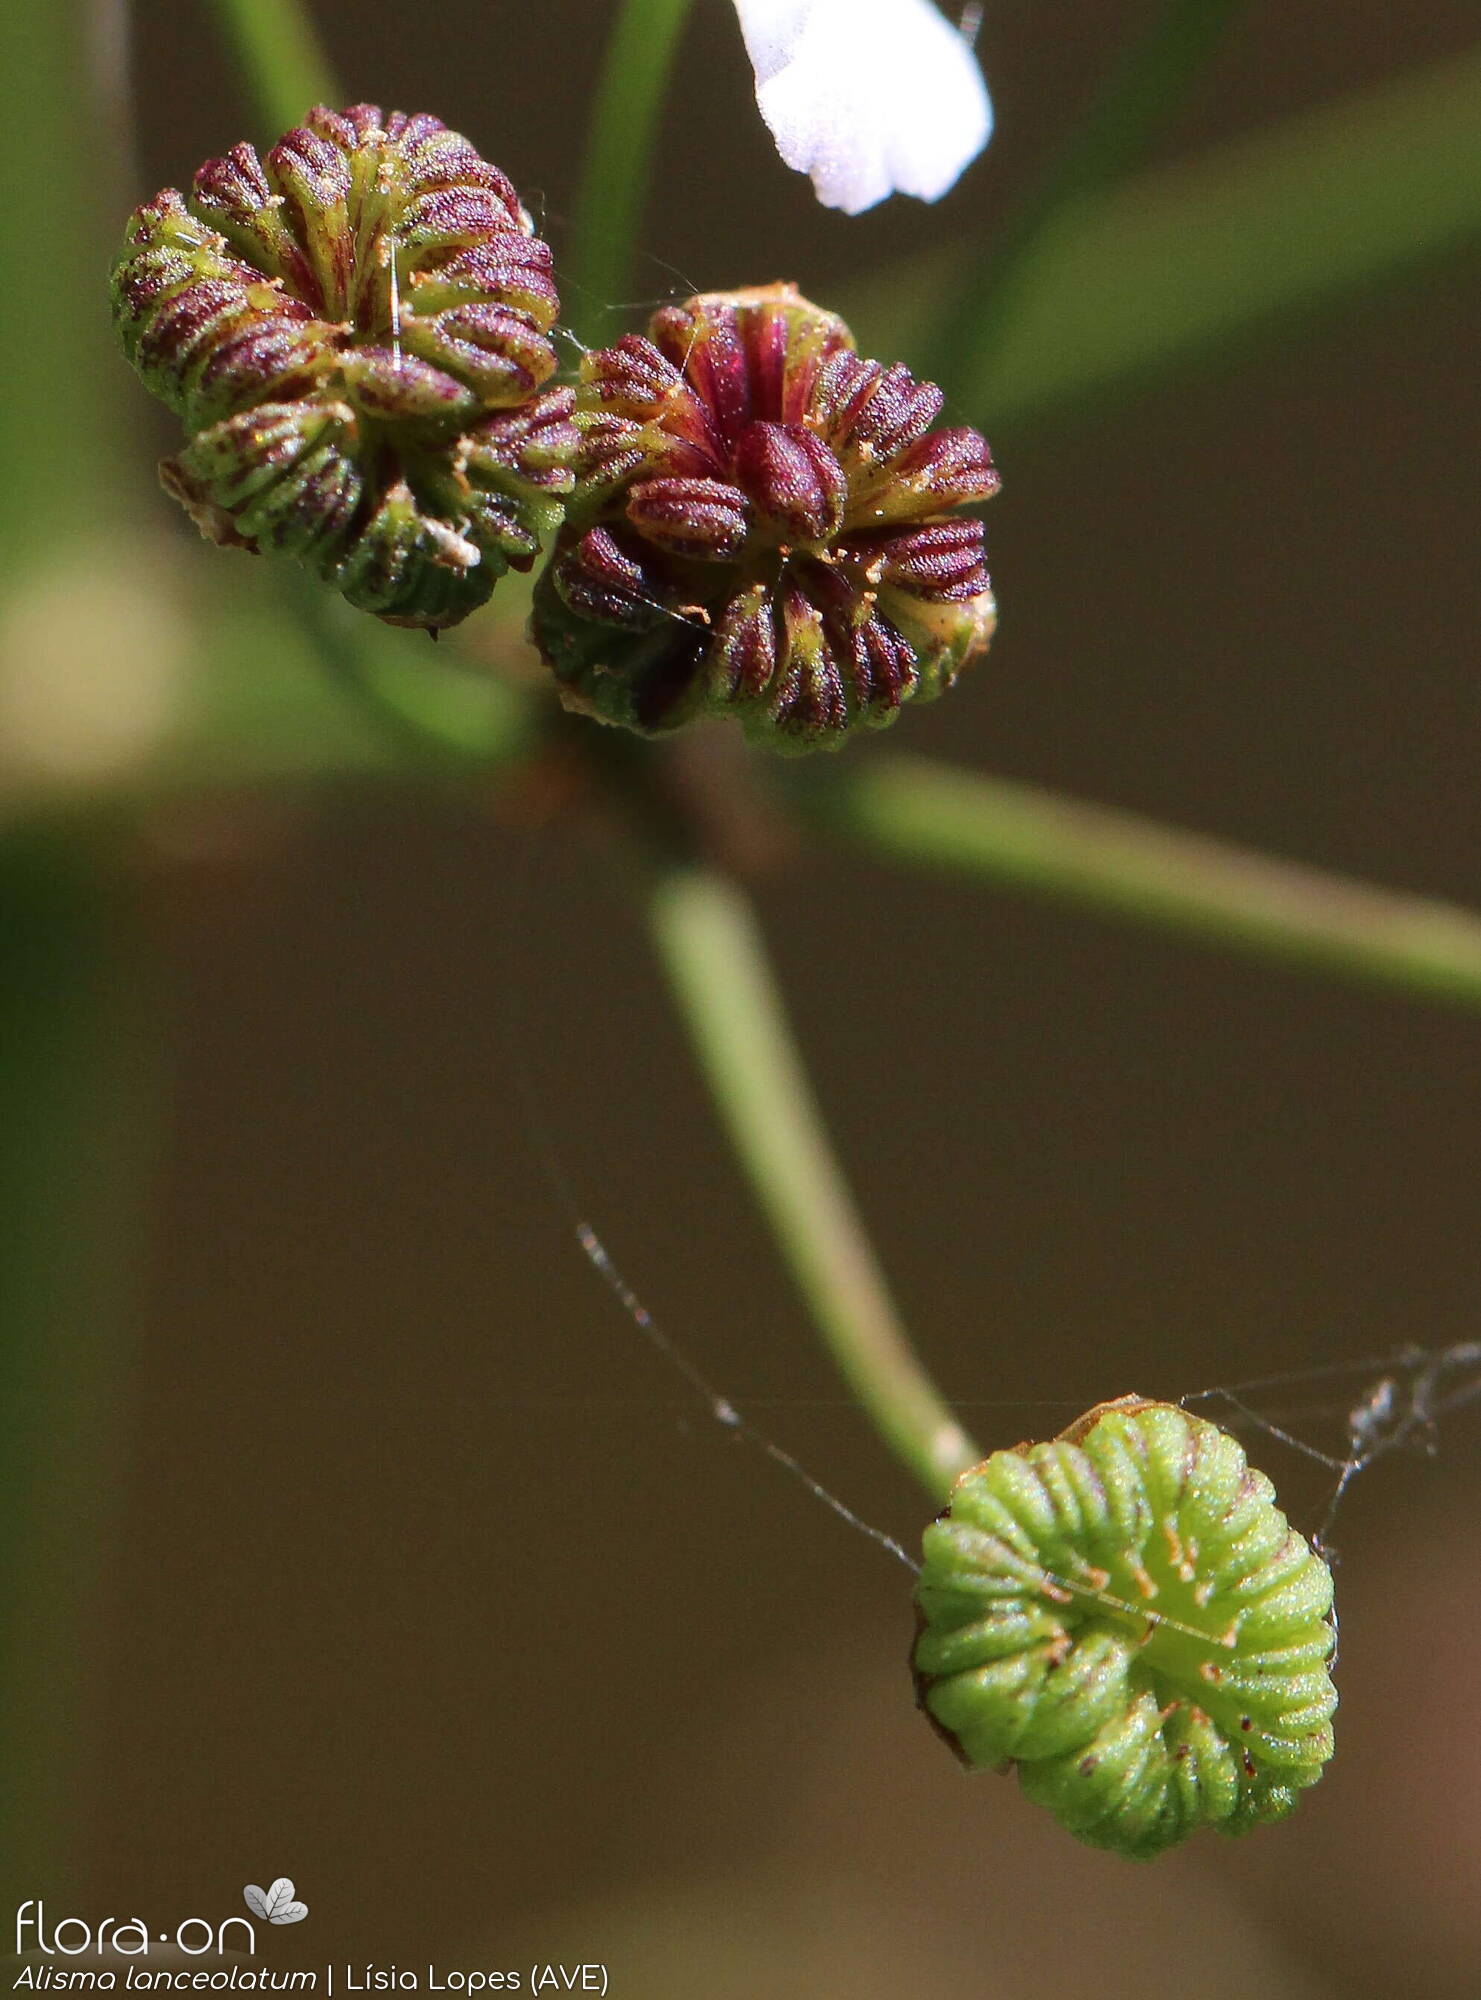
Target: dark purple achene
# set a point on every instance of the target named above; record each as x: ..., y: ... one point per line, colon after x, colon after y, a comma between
x: 758, y: 529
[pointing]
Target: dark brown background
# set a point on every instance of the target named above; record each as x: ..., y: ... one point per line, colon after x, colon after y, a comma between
x: 431, y: 1589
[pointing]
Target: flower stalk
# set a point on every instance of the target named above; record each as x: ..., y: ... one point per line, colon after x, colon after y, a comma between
x: 619, y: 155
x: 1121, y: 865
x: 712, y: 952
x: 1139, y: 99
x: 277, y: 49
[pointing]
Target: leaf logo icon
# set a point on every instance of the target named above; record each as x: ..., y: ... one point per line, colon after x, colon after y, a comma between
x: 275, y: 1905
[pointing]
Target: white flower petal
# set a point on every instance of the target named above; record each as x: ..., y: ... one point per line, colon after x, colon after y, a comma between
x: 869, y: 97
x: 771, y: 29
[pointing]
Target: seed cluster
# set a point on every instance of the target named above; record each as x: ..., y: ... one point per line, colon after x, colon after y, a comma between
x: 761, y: 527
x: 355, y: 330
x: 1127, y: 1618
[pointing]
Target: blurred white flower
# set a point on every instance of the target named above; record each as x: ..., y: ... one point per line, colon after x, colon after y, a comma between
x: 870, y: 97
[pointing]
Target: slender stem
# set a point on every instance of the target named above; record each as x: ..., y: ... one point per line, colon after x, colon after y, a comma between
x: 69, y: 1113
x: 713, y: 953
x: 448, y: 722
x: 1126, y: 866
x: 280, y: 54
x: 1138, y: 99
x: 77, y: 1081
x: 59, y: 419
x: 619, y: 154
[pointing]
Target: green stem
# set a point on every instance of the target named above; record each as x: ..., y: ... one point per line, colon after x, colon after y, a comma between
x: 67, y: 1107
x: 713, y: 953
x: 619, y: 154
x: 1167, y: 269
x: 1122, y: 865
x: 75, y: 1150
x: 1137, y: 101
x: 456, y: 720
x: 279, y: 52
x: 59, y: 414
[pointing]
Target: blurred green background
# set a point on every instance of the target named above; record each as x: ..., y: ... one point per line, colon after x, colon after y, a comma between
x: 350, y: 1530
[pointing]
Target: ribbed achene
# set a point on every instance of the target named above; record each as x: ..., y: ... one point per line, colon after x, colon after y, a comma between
x: 355, y: 330
x: 1127, y: 1617
x: 761, y: 528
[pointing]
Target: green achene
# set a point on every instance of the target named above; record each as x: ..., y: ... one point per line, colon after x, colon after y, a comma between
x: 1126, y: 1617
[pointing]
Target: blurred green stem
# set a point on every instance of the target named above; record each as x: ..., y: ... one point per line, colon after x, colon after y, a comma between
x: 278, y: 50
x: 76, y: 1141
x: 1138, y: 100
x: 1166, y: 268
x: 715, y: 958
x: 619, y: 156
x: 1125, y: 866
x: 459, y: 719
x: 58, y: 409
x: 68, y: 1108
